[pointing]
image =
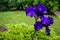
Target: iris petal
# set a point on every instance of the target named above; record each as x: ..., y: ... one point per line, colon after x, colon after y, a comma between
x: 31, y: 14
x: 38, y: 26
x: 44, y: 9
x: 46, y: 20
x: 47, y: 30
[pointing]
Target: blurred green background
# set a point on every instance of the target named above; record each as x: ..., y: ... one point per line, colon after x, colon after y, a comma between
x: 22, y: 4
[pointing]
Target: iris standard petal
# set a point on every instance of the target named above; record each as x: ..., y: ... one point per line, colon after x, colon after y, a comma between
x: 44, y: 9
x: 36, y: 10
x: 40, y: 5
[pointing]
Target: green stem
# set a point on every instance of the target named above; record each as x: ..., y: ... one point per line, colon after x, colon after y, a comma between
x: 36, y: 18
x: 33, y: 35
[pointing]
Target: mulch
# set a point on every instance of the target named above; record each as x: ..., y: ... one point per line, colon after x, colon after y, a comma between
x: 3, y: 28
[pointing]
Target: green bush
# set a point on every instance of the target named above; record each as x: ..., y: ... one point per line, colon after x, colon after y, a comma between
x: 52, y: 6
x: 21, y: 4
x: 24, y: 31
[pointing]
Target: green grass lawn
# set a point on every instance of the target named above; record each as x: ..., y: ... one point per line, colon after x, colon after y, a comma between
x: 14, y: 17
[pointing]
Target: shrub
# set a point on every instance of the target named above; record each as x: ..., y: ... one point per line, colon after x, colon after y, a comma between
x: 24, y: 31
x: 8, y: 4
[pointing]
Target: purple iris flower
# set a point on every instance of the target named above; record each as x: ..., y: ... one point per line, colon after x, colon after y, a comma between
x: 46, y: 20
x: 30, y: 12
x: 38, y: 10
x: 38, y: 25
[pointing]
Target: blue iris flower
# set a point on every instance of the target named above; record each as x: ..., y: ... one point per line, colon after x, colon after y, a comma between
x: 39, y: 11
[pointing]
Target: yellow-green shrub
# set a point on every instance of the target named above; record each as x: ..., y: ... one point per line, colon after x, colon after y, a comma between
x: 24, y: 31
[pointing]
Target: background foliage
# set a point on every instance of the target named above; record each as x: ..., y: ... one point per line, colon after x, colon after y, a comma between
x: 24, y: 31
x: 22, y: 4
